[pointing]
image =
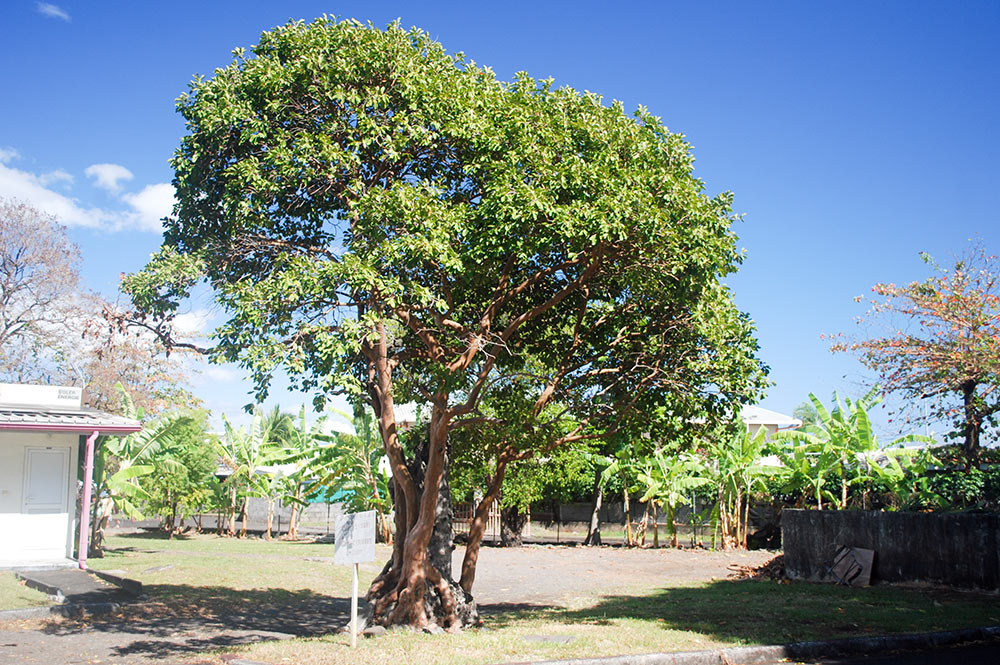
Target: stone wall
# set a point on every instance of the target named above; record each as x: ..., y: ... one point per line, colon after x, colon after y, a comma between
x: 957, y: 549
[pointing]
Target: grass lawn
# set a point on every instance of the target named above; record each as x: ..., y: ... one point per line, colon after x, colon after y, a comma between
x: 14, y: 595
x: 207, y: 573
x: 216, y: 571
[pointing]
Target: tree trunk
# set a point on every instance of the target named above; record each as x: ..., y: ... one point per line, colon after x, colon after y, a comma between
x: 971, y: 422
x: 293, y: 517
x: 243, y: 516
x: 98, y: 525
x: 512, y: 522
x: 232, y: 511
x: 656, y: 529
x: 640, y: 535
x: 594, y: 530
x: 270, y: 518
x: 172, y: 527
x: 629, y: 541
x: 478, y: 527
x: 843, y: 483
x: 416, y: 588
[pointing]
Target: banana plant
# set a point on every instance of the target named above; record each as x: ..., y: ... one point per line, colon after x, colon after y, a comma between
x: 736, y: 470
x: 245, y: 451
x: 300, y: 445
x: 824, y: 460
x: 669, y: 479
x: 120, y: 463
x: 353, y: 468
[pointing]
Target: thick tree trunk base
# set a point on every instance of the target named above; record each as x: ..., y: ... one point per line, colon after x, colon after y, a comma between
x: 428, y: 598
x: 444, y: 605
x: 512, y: 524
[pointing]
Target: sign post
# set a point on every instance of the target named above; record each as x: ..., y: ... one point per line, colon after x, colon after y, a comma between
x: 355, y: 543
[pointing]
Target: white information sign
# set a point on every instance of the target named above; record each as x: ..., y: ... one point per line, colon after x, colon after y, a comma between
x: 355, y: 538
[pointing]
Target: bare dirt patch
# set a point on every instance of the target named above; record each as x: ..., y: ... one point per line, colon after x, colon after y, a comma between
x: 561, y: 576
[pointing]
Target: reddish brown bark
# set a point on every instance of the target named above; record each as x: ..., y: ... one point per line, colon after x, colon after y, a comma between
x: 478, y: 528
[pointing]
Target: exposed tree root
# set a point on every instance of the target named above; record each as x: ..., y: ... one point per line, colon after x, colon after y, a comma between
x: 436, y: 600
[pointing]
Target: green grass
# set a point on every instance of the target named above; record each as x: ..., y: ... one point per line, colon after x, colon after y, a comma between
x: 689, y: 618
x: 216, y: 571
x: 14, y: 595
x: 212, y: 576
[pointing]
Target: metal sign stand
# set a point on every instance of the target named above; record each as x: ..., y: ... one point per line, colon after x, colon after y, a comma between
x: 354, y: 608
x: 355, y: 543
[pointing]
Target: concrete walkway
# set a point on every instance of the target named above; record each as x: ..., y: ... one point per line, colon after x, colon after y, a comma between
x: 80, y: 587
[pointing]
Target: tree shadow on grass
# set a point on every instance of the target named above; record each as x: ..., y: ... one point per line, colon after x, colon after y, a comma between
x: 764, y: 612
x: 180, y: 619
x: 153, y: 534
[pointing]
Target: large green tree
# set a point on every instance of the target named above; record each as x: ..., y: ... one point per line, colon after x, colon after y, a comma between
x: 380, y: 217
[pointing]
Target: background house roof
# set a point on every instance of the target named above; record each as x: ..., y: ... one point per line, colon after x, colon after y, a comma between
x: 755, y: 415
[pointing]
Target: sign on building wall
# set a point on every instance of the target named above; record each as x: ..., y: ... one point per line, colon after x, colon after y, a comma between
x: 355, y: 538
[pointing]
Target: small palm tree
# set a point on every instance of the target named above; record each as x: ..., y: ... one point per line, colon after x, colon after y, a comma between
x: 300, y: 445
x: 353, y: 469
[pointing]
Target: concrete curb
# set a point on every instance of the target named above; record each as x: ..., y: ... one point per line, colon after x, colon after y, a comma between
x: 64, y: 609
x: 127, y: 584
x: 767, y: 655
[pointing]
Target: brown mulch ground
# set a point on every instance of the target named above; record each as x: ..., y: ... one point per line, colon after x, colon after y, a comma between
x: 774, y: 570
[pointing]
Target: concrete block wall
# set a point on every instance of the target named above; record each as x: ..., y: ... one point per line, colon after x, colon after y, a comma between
x: 956, y: 549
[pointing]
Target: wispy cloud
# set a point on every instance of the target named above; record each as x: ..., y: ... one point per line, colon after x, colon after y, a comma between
x: 223, y: 374
x: 57, y: 177
x: 140, y: 211
x: 53, y: 11
x: 108, y: 176
x: 150, y: 206
x: 193, y: 323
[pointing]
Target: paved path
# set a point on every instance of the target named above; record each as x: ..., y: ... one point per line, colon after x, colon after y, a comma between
x: 978, y: 654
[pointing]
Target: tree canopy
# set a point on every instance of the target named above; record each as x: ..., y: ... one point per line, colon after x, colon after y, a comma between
x: 941, y: 345
x: 52, y: 329
x: 379, y: 217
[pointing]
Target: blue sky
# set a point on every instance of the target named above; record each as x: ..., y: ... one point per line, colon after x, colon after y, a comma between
x: 854, y: 135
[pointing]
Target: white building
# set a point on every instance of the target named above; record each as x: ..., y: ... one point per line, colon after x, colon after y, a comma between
x: 756, y: 417
x: 43, y: 432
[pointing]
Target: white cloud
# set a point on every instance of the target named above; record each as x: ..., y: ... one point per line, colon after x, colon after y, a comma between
x: 18, y: 184
x: 53, y: 11
x: 144, y: 208
x: 193, y: 323
x: 222, y: 374
x: 108, y: 176
x: 56, y: 177
x: 150, y: 205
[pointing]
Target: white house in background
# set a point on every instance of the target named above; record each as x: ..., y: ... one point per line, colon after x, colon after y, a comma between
x: 43, y: 431
x: 756, y: 417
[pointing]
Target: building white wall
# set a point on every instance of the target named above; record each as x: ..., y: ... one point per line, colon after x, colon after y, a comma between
x: 26, y: 537
x: 755, y: 427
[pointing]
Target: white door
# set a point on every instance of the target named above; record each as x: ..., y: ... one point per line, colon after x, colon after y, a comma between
x: 45, y: 480
x: 45, y: 517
